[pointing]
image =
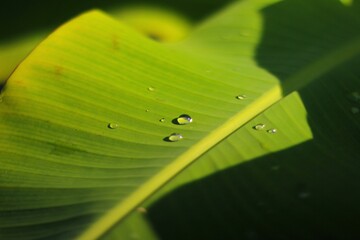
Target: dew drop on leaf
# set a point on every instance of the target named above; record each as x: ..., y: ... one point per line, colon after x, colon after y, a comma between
x: 151, y: 89
x: 113, y: 125
x: 241, y: 97
x: 273, y: 130
x: 259, y: 126
x: 175, y: 137
x: 142, y: 210
x: 184, y: 119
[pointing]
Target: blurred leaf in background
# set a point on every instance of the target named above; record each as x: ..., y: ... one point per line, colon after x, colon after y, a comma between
x: 23, y: 24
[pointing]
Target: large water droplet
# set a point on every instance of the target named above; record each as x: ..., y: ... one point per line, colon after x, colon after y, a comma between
x: 184, y: 119
x: 151, y: 89
x: 113, y: 125
x: 273, y: 130
x: 162, y: 120
x: 241, y: 97
x: 355, y: 110
x: 175, y: 137
x: 259, y: 126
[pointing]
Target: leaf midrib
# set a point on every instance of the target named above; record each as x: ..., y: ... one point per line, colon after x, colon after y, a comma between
x: 125, y: 206
x: 297, y: 81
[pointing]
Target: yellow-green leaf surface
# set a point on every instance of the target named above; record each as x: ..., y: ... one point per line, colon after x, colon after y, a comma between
x: 160, y: 24
x: 85, y: 121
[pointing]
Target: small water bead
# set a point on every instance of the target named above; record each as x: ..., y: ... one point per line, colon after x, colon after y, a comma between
x: 113, y: 125
x: 151, y: 89
x: 241, y: 97
x: 162, y: 120
x: 259, y: 126
x: 355, y: 110
x: 184, y: 119
x: 273, y: 130
x: 142, y: 210
x: 175, y: 137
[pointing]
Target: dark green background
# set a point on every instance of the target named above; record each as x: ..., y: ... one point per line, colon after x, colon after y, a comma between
x: 21, y: 17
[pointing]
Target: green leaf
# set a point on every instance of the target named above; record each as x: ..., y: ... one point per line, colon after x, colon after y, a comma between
x: 65, y: 173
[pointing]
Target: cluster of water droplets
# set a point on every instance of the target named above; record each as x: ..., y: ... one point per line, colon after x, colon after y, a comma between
x: 183, y: 119
x: 261, y: 126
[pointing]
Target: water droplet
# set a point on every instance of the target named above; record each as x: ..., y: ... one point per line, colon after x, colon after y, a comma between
x: 175, y: 137
x: 113, y: 125
x: 355, y: 110
x: 162, y: 120
x: 147, y: 110
x: 273, y: 130
x: 141, y: 210
x: 151, y: 89
x: 259, y: 126
x: 303, y: 195
x: 184, y: 119
x: 241, y: 97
